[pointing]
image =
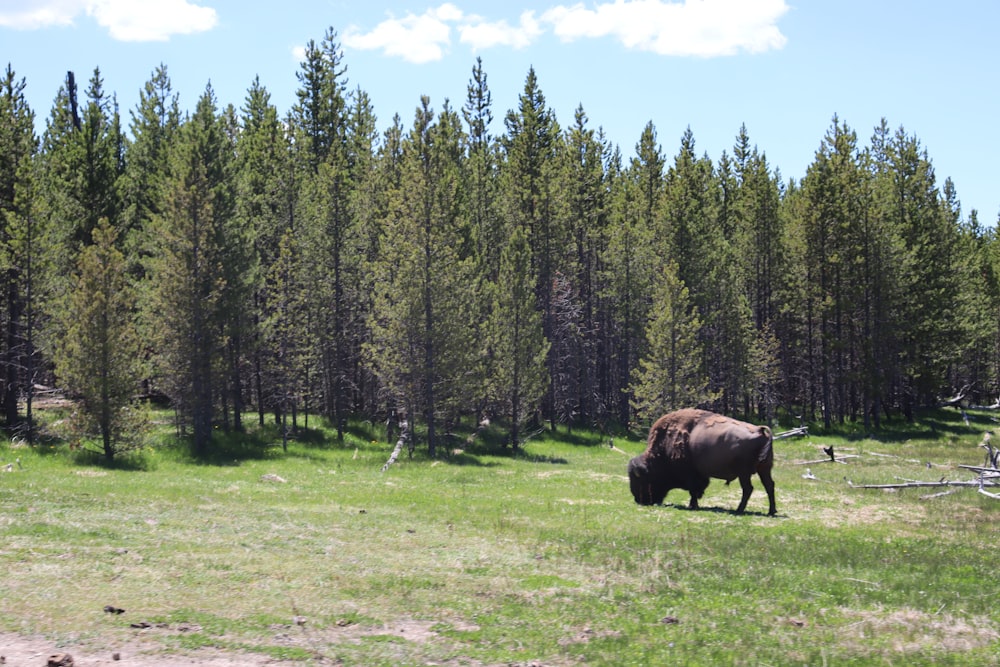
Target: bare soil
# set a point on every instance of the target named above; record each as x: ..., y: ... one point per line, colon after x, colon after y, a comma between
x: 20, y: 651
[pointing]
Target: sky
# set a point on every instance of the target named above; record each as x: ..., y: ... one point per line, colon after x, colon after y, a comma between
x: 782, y: 68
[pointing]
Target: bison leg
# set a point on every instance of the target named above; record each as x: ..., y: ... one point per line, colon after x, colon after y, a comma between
x: 747, y: 490
x: 697, y: 491
x: 765, y: 478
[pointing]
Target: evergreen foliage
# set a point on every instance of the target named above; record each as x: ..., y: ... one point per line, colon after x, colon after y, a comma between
x: 670, y: 375
x: 191, y: 300
x: 422, y: 345
x: 315, y: 263
x: 98, y: 354
x: 517, y: 346
x: 20, y: 234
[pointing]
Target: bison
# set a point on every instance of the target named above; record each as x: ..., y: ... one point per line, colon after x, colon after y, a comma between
x: 687, y: 447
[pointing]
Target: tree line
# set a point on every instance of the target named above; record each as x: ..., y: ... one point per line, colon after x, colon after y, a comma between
x: 245, y: 263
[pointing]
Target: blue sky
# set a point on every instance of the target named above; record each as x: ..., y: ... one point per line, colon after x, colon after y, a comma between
x: 782, y: 67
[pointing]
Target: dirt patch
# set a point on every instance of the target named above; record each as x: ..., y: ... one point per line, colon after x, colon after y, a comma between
x: 144, y: 651
x: 585, y: 635
x: 420, y: 632
x: 20, y: 651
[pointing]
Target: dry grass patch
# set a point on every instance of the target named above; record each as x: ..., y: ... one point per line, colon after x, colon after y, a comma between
x: 909, y: 631
x: 868, y: 511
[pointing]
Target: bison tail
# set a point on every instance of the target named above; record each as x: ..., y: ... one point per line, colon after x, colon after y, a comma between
x: 767, y: 451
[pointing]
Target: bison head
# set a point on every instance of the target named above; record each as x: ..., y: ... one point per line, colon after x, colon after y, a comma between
x: 647, y: 489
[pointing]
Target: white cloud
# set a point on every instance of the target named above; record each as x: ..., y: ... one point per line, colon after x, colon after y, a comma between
x: 125, y: 20
x: 704, y: 28
x: 143, y: 21
x: 32, y: 15
x: 417, y: 38
x: 482, y: 34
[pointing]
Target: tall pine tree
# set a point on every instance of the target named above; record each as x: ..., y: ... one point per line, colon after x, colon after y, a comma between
x: 516, y: 342
x: 20, y: 239
x: 422, y: 345
x: 99, y: 349
x: 670, y: 374
x: 188, y: 271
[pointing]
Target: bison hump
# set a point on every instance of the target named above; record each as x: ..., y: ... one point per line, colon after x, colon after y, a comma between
x: 669, y: 437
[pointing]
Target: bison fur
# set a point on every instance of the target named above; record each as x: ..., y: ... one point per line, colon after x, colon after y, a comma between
x: 688, y: 447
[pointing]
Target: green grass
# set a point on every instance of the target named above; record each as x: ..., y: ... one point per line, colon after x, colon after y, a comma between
x: 486, y: 558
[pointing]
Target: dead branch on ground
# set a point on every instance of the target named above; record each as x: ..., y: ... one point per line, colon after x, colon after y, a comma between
x: 840, y: 459
x: 913, y: 485
x: 801, y: 430
x: 404, y: 436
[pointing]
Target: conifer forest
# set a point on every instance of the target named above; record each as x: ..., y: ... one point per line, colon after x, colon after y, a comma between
x: 247, y: 264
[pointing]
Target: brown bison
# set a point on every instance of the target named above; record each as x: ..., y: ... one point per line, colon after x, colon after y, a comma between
x: 687, y: 447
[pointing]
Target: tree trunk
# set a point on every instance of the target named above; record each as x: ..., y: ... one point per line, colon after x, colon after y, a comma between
x: 10, y: 389
x: 236, y: 382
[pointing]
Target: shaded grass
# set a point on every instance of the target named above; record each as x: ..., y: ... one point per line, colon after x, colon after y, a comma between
x: 491, y: 556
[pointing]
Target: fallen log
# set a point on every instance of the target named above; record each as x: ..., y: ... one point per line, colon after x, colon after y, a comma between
x: 995, y: 496
x: 801, y: 430
x: 988, y: 473
x: 839, y: 459
x: 913, y: 485
x: 939, y: 494
x: 611, y: 444
x: 893, y: 456
x: 955, y: 401
x: 404, y: 435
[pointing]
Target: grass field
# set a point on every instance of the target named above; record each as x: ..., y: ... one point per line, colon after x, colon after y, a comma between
x: 484, y: 558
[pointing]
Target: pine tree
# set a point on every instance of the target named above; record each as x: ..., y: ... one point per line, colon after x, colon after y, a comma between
x: 282, y: 345
x: 646, y: 170
x: 98, y: 153
x: 688, y: 217
x: 973, y: 300
x: 630, y: 257
x: 264, y: 186
x: 58, y: 205
x: 627, y: 264
x: 328, y: 228
x: 929, y: 235
x: 700, y: 237
x: 82, y: 163
x: 835, y: 191
x: 188, y: 271
x: 422, y: 347
x: 154, y: 125
x: 583, y: 180
x: 567, y: 340
x: 99, y: 348
x: 758, y: 230
x: 17, y: 139
x: 20, y: 239
x: 481, y: 173
x: 516, y: 342
x: 990, y: 299
x: 367, y: 203
x: 318, y: 113
x: 528, y: 175
x: 669, y: 375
